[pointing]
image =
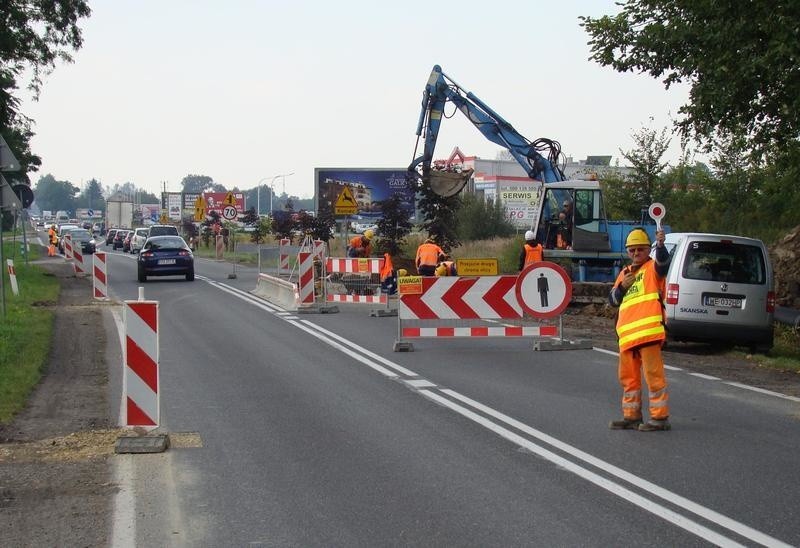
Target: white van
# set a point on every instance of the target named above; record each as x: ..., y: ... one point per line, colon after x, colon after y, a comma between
x: 719, y: 288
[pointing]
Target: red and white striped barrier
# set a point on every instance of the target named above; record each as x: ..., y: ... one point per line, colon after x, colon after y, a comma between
x: 99, y: 276
x: 283, y: 256
x: 141, y: 378
x: 68, y: 247
x: 435, y: 304
x: 12, y: 275
x: 305, y: 287
x: 335, y: 265
x: 319, y: 249
x: 77, y: 264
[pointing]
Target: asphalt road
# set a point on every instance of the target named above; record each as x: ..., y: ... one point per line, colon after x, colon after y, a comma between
x: 312, y: 432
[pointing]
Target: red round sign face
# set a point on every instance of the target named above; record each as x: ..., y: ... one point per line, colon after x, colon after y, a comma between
x: 657, y: 211
x: 543, y: 289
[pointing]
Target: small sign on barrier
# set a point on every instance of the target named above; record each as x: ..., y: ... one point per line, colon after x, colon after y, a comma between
x: 409, y: 285
x: 477, y: 267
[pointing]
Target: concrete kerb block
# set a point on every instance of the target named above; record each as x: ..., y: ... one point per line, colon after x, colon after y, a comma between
x: 562, y: 344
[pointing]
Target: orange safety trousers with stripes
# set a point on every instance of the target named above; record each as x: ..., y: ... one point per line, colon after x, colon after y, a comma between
x: 632, y: 362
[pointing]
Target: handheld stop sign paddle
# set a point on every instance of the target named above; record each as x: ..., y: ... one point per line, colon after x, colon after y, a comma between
x: 657, y: 212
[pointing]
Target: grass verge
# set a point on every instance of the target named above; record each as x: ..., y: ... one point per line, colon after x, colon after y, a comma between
x: 25, y: 330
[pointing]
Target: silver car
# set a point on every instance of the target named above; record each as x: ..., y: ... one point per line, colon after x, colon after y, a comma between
x: 719, y: 288
x: 138, y: 239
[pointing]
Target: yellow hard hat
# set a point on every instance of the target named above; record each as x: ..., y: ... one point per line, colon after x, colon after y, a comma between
x: 368, y: 234
x: 402, y: 272
x: 441, y: 270
x: 637, y: 236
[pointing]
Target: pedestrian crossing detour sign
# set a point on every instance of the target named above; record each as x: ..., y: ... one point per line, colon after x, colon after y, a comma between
x: 543, y: 289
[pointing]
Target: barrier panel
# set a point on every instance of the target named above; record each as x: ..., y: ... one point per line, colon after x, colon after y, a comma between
x: 68, y: 247
x: 454, y: 306
x: 354, y: 281
x: 77, y: 264
x: 283, y: 256
x: 99, y: 276
x: 140, y: 383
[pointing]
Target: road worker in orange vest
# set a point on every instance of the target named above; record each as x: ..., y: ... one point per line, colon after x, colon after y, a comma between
x: 53, y: 240
x: 531, y: 250
x: 361, y: 246
x: 637, y: 292
x: 388, y: 276
x: 429, y: 255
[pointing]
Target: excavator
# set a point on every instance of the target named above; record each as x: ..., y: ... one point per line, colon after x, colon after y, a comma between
x: 595, y: 244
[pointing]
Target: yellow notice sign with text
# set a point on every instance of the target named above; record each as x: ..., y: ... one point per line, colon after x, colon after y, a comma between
x: 478, y: 267
x: 409, y: 285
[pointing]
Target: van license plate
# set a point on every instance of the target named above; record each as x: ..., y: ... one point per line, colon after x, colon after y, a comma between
x: 166, y: 261
x: 723, y: 302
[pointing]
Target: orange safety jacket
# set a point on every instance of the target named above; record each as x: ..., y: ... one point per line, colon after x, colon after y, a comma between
x: 641, y: 312
x: 357, y: 242
x: 388, y: 268
x: 533, y: 253
x: 428, y: 254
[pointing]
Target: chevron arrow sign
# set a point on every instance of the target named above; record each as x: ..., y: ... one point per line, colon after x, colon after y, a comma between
x: 454, y: 298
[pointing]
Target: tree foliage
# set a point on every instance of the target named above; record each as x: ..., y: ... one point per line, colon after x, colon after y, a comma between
x: 393, y: 227
x: 198, y: 183
x: 739, y: 58
x: 627, y: 196
x: 55, y: 195
x: 34, y: 34
x: 480, y: 219
x: 438, y: 213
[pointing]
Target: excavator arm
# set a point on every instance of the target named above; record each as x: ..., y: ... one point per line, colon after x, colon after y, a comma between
x: 438, y: 91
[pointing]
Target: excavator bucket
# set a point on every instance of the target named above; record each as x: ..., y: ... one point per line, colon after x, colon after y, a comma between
x: 447, y: 183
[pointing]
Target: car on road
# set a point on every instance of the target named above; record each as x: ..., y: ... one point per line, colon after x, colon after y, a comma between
x: 119, y: 238
x: 110, y: 236
x: 126, y: 241
x: 83, y: 238
x: 138, y: 239
x: 162, y: 230
x: 165, y: 256
x: 719, y: 289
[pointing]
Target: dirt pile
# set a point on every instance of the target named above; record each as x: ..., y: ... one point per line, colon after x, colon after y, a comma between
x: 786, y: 264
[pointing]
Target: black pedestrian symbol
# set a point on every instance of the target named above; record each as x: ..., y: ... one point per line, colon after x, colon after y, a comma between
x: 543, y: 287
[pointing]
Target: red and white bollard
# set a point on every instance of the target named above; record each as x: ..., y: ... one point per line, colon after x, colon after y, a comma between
x: 140, y: 384
x: 77, y: 265
x: 12, y: 275
x: 306, y: 285
x: 68, y: 247
x: 99, y: 276
x: 283, y: 256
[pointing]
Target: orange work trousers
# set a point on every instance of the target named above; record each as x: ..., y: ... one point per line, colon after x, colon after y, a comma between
x: 631, y: 364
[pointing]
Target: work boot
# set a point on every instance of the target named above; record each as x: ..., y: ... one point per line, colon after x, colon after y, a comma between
x: 625, y: 424
x: 654, y: 425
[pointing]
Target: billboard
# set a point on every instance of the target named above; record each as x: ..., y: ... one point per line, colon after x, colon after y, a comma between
x: 370, y: 187
x: 215, y: 201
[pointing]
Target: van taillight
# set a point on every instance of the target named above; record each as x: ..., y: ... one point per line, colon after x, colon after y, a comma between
x: 672, y: 293
x: 771, y: 301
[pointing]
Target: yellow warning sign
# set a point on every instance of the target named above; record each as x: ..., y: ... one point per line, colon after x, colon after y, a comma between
x: 477, y: 267
x: 200, y: 209
x: 345, y: 203
x: 229, y: 199
x: 409, y: 285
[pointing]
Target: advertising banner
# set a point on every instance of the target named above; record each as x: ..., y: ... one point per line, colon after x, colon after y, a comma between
x: 368, y: 187
x: 216, y: 201
x: 522, y: 205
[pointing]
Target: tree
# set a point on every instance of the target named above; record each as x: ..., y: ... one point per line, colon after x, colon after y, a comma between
x: 55, y: 195
x: 394, y: 226
x: 198, y: 184
x: 739, y: 58
x: 33, y: 35
x: 91, y: 196
x: 480, y: 219
x: 439, y: 213
x: 627, y: 196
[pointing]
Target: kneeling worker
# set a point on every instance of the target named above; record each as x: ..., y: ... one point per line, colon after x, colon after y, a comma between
x: 428, y: 256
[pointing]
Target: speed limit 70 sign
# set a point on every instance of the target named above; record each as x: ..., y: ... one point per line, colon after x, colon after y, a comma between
x: 229, y: 212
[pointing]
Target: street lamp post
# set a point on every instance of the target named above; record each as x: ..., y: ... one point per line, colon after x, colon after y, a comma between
x: 258, y: 201
x: 272, y: 187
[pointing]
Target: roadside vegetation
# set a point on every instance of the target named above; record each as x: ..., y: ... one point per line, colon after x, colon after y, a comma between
x: 26, y: 329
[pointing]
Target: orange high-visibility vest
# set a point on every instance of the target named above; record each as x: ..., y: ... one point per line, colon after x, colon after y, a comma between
x: 533, y: 253
x: 641, y: 312
x: 428, y: 254
x: 387, y: 269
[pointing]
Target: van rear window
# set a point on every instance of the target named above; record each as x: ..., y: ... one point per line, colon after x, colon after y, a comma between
x: 725, y: 262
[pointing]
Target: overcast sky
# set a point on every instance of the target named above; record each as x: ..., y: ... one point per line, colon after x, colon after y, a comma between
x: 243, y: 91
